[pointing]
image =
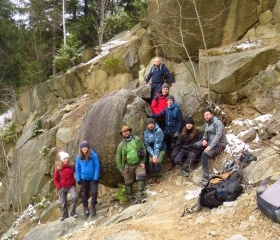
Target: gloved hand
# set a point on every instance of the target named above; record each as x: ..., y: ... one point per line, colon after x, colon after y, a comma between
x: 79, y: 182
x: 95, y: 181
x: 176, y: 134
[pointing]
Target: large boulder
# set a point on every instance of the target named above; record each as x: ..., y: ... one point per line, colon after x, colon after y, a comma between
x: 102, y: 124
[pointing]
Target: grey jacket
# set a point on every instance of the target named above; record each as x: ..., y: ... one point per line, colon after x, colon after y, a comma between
x: 214, y: 133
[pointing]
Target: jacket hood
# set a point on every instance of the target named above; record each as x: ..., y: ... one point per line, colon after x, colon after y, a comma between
x: 175, y: 105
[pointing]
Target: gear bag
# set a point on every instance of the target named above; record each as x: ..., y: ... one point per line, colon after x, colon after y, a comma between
x: 268, y: 199
x: 214, y: 195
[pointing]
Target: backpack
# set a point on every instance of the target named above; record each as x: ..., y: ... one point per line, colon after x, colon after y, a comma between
x: 214, y: 195
x: 268, y: 199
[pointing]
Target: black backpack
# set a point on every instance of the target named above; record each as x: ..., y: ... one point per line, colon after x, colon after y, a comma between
x: 225, y: 190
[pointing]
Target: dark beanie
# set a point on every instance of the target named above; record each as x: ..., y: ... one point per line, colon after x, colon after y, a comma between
x: 170, y: 97
x: 150, y: 120
x: 189, y: 120
x: 84, y: 144
x: 165, y: 85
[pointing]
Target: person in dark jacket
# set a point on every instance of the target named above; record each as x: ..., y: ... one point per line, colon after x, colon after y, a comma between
x: 87, y: 175
x: 130, y: 160
x: 173, y: 123
x: 159, y: 103
x: 184, y: 153
x: 156, y: 147
x: 65, y: 183
x: 213, y: 141
x: 158, y: 73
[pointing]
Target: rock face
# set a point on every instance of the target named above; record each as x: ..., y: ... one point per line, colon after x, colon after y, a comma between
x: 222, y: 22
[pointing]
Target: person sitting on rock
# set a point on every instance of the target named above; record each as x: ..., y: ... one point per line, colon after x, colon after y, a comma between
x: 173, y: 124
x: 213, y: 141
x: 184, y: 153
x: 159, y: 103
x: 65, y: 183
x: 155, y: 145
x: 87, y: 175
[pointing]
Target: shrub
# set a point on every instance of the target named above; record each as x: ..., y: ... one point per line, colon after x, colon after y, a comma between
x: 121, y: 194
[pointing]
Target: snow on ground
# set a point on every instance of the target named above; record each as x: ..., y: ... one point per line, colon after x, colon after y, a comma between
x: 6, y: 116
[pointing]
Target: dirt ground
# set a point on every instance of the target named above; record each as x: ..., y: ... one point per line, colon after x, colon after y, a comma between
x: 159, y: 217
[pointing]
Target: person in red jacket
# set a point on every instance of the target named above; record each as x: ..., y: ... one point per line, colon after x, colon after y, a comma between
x: 65, y: 183
x: 159, y: 103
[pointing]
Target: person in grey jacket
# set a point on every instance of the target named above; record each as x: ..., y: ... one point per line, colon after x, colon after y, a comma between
x: 213, y: 141
x: 156, y: 147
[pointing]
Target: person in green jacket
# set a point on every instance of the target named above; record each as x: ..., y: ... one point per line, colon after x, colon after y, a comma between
x: 130, y: 159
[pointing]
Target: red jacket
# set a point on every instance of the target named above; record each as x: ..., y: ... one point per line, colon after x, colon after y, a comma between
x: 159, y: 103
x: 64, y: 176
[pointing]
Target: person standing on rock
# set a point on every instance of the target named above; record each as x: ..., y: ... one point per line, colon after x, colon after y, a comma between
x: 213, y: 141
x: 173, y: 124
x: 65, y: 183
x: 87, y: 175
x: 156, y: 147
x: 159, y: 103
x: 158, y: 73
x: 184, y: 153
x: 130, y: 160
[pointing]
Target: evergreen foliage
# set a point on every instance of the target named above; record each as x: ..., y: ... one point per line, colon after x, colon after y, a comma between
x: 69, y: 54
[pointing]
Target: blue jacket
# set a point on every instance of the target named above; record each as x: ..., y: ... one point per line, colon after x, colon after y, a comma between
x: 153, y: 140
x: 173, y: 118
x: 88, y: 169
x: 158, y: 74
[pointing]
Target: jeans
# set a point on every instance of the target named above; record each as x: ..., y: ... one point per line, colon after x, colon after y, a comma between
x: 63, y: 192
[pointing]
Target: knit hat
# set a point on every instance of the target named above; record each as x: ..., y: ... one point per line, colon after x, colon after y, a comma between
x: 189, y: 120
x: 150, y: 120
x: 124, y: 128
x: 84, y: 144
x: 63, y: 155
x: 170, y: 97
x: 165, y: 85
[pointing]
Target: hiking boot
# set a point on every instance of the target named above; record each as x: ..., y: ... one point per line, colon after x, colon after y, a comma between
x: 62, y: 219
x: 86, y: 211
x: 142, y: 200
x: 133, y: 201
x: 152, y: 182
x: 93, y: 210
x: 170, y: 166
x: 204, y: 182
x: 184, y: 173
x: 74, y: 215
x: 157, y: 181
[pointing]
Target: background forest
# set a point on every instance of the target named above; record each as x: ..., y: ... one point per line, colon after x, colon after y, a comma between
x: 38, y: 39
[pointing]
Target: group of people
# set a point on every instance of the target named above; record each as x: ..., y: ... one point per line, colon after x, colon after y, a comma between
x: 87, y: 169
x: 164, y: 135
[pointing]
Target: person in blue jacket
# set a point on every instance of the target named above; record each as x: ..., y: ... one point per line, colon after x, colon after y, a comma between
x: 155, y: 145
x: 87, y: 175
x: 173, y: 124
x: 158, y: 73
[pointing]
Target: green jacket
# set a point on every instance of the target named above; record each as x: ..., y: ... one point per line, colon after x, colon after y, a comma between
x: 121, y: 152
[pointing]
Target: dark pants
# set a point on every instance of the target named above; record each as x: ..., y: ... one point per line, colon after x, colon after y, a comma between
x: 186, y: 159
x: 86, y: 186
x: 169, y: 140
x: 154, y: 168
x: 206, y: 157
x: 161, y: 123
x: 63, y: 192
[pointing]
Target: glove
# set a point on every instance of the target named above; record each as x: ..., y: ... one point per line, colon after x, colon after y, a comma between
x: 176, y: 134
x: 95, y: 181
x: 79, y: 182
